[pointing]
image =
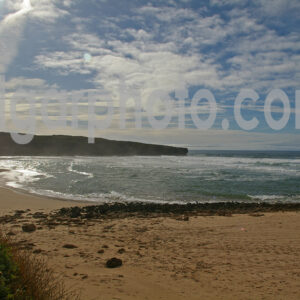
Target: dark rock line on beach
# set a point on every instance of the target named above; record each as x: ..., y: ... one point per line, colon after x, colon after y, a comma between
x: 80, y: 215
x: 153, y: 209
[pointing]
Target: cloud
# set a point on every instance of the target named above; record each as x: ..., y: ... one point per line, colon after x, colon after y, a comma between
x: 228, y: 2
x: 22, y: 82
x: 11, y: 29
x: 278, y: 7
x: 25, y: 8
x: 183, y: 45
x: 47, y: 11
x: 12, y: 26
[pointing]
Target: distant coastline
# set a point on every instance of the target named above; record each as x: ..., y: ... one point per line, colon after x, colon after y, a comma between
x: 63, y: 145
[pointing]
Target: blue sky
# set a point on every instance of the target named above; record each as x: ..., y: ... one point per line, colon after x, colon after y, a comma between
x: 68, y: 47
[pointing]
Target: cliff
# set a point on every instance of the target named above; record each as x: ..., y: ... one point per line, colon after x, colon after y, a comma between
x: 62, y: 145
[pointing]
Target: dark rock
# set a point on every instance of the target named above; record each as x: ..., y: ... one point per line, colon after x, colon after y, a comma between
x: 69, y: 246
x: 28, y: 227
x: 177, y: 211
x: 101, y: 251
x: 75, y: 212
x: 39, y: 215
x: 37, y: 251
x: 114, y: 263
x: 121, y: 251
x: 11, y: 233
x: 52, y: 223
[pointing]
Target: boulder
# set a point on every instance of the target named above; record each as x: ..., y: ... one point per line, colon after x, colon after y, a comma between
x: 69, y: 246
x: 28, y: 227
x: 114, y: 263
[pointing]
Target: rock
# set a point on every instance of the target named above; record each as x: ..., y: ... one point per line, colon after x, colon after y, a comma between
x: 28, y: 227
x: 69, y: 246
x: 37, y: 251
x: 11, y: 233
x: 75, y: 212
x: 141, y: 229
x: 101, y: 251
x: 114, y: 263
x: 105, y: 246
x: 256, y: 215
x: 68, y: 267
x: 186, y: 218
x: 121, y: 251
x: 39, y: 215
x: 139, y: 253
x: 84, y: 277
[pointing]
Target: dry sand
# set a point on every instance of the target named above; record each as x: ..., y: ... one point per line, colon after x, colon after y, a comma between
x: 212, y: 257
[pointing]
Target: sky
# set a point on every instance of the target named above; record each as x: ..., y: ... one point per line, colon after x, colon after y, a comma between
x: 63, y: 49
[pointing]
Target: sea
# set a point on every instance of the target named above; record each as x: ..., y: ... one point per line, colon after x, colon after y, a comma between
x: 201, y: 176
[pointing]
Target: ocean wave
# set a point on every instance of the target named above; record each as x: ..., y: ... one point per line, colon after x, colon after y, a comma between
x: 71, y: 169
x: 98, y: 198
x: 275, y: 198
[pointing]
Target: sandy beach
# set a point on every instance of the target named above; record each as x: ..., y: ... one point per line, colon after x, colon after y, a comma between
x: 241, y: 256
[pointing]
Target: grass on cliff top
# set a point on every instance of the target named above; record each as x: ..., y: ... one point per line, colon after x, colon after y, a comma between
x: 24, y: 277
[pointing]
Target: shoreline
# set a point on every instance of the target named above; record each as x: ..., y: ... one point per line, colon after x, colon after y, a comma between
x: 20, y: 199
x: 17, y: 199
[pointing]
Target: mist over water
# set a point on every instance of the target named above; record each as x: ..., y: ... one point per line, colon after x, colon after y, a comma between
x: 205, y: 176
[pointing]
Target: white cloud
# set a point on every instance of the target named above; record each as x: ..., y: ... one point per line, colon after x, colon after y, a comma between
x: 173, y: 53
x: 64, y: 62
x: 11, y: 29
x: 22, y: 82
x: 227, y: 2
x: 43, y: 10
x: 278, y: 7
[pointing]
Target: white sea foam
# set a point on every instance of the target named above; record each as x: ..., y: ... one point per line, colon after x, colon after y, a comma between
x: 71, y: 169
x: 98, y: 198
x: 275, y: 198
